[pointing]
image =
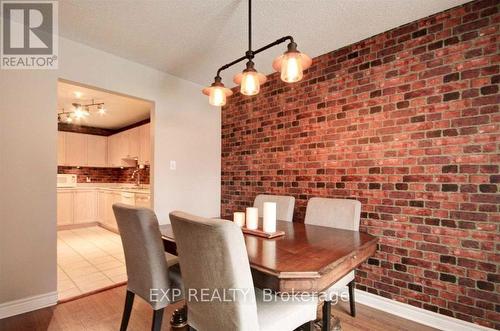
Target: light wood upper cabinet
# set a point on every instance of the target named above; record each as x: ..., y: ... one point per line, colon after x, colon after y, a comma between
x: 113, y: 151
x: 85, y: 205
x: 132, y: 136
x: 75, y: 149
x: 124, y: 147
x: 118, y: 150
x: 145, y: 144
x: 96, y: 151
x: 64, y: 207
x: 61, y: 150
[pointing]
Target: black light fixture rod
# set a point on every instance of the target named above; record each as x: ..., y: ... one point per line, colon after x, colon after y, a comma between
x: 249, y: 55
x: 274, y: 43
x: 249, y: 25
x: 225, y: 66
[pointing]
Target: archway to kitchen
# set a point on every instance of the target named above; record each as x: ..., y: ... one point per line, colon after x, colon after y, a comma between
x: 104, y: 156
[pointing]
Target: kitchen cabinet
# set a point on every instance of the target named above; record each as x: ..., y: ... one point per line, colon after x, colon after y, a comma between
x: 111, y: 198
x: 75, y: 145
x: 145, y: 144
x: 105, y: 214
x: 101, y: 206
x: 84, y: 204
x: 127, y: 146
x: 64, y: 207
x: 114, y: 159
x: 61, y: 150
x: 119, y: 150
x: 96, y: 151
x: 143, y: 200
x: 132, y: 137
x: 90, y: 205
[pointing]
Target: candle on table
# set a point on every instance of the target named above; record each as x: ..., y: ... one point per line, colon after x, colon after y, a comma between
x: 252, y: 218
x: 269, y: 225
x: 239, y: 218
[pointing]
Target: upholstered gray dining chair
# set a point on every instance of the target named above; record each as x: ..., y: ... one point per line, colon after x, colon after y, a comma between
x: 213, y: 256
x: 148, y: 271
x: 341, y: 214
x: 284, y: 205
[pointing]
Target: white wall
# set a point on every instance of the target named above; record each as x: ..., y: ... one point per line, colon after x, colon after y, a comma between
x: 186, y: 130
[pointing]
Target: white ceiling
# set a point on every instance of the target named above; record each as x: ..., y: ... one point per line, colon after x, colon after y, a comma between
x: 121, y: 110
x: 192, y: 38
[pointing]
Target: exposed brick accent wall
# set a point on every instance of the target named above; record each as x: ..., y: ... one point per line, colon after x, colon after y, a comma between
x: 408, y: 123
x: 105, y: 175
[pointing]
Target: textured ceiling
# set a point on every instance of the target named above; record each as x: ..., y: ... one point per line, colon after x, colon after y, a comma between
x: 192, y: 38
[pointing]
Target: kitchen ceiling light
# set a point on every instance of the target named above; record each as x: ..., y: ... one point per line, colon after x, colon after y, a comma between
x: 101, y: 110
x: 80, y: 111
x: 291, y: 64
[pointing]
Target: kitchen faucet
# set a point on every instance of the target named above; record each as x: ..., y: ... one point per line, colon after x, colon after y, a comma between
x: 137, y: 175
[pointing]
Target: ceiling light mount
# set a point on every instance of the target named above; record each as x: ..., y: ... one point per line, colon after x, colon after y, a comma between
x: 291, y: 65
x: 80, y: 111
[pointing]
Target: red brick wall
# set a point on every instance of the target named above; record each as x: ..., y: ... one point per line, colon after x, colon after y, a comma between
x: 105, y: 175
x: 407, y: 122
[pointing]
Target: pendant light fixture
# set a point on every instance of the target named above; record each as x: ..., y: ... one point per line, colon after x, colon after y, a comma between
x: 250, y: 80
x: 217, y: 93
x: 291, y: 65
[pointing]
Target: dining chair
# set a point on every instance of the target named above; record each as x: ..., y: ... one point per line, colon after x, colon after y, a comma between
x: 213, y: 256
x: 341, y: 214
x: 284, y: 205
x: 150, y: 275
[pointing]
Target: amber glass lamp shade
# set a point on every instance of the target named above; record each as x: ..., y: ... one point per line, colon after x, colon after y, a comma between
x: 217, y: 94
x: 292, y: 64
x: 250, y: 80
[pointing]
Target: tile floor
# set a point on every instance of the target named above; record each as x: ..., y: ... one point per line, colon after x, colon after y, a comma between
x: 88, y: 259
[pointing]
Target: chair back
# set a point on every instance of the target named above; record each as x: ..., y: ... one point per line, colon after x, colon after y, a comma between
x: 144, y: 253
x: 334, y: 213
x: 284, y: 205
x: 213, y: 256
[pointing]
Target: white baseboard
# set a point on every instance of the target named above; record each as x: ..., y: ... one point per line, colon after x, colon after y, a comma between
x: 25, y: 305
x: 412, y: 313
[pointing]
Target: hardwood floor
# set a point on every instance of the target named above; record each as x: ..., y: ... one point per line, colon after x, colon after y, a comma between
x: 103, y: 311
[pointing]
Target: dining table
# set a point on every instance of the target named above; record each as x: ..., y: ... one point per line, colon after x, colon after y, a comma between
x: 306, y: 259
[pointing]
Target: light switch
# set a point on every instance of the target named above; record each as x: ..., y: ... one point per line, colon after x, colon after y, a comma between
x: 173, y: 165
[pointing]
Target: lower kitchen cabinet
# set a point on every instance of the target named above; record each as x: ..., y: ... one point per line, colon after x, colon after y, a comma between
x: 112, y: 198
x: 143, y: 200
x: 80, y: 206
x: 65, y: 207
x: 85, y: 205
x: 105, y: 201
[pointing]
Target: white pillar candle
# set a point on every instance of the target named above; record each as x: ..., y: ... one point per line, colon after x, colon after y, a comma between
x: 239, y: 218
x: 252, y: 218
x: 269, y: 217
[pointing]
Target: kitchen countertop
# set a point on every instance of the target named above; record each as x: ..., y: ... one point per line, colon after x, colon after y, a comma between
x: 110, y: 187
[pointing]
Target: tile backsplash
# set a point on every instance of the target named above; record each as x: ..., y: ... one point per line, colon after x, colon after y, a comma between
x: 105, y: 175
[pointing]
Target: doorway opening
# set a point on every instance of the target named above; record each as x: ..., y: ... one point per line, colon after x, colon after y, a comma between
x: 104, y: 156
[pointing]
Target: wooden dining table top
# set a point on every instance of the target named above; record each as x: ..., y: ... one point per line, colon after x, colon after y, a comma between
x: 308, y: 258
